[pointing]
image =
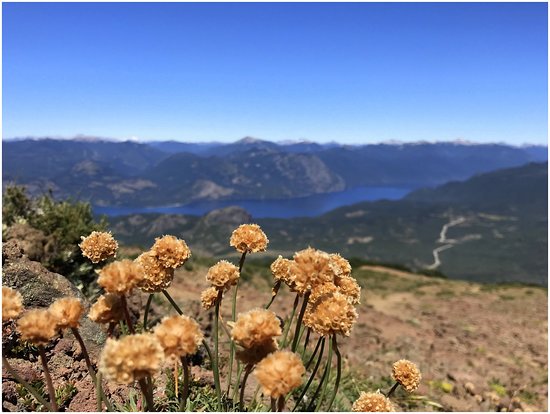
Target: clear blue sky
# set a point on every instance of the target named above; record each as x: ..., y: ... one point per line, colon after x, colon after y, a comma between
x: 353, y: 73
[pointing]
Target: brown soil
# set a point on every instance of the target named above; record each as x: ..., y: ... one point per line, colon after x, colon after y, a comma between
x: 479, y: 347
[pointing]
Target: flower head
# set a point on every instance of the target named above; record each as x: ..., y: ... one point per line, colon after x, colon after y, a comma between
x: 311, y: 268
x: 131, y: 358
x: 171, y: 251
x: 156, y: 277
x: 339, y: 265
x: 330, y: 314
x: 120, y: 276
x: 209, y: 297
x: 372, y: 402
x: 407, y: 374
x: 279, y: 373
x: 67, y: 312
x: 37, y: 326
x: 223, y: 274
x: 349, y: 287
x: 179, y: 336
x: 255, y: 328
x: 98, y: 246
x: 12, y: 303
x: 249, y: 238
x: 108, y: 308
x: 281, y: 268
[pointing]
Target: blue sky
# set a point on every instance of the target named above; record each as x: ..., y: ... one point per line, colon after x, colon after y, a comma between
x: 353, y: 73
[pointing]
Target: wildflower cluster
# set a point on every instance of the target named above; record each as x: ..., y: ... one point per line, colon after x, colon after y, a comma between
x: 261, y: 344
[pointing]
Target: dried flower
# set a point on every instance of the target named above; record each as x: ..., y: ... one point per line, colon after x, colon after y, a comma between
x: 98, y: 246
x: 156, y: 277
x: 249, y: 238
x: 281, y: 268
x: 349, y: 287
x: 208, y: 297
x: 120, y: 276
x: 223, y: 274
x: 339, y: 265
x: 330, y: 314
x: 179, y: 336
x: 372, y: 402
x: 255, y: 328
x: 279, y: 373
x: 67, y: 312
x: 131, y: 358
x: 12, y: 303
x: 37, y: 326
x: 108, y: 308
x: 310, y: 269
x: 407, y: 374
x: 171, y: 251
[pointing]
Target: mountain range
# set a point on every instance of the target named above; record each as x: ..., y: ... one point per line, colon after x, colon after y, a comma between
x: 128, y: 173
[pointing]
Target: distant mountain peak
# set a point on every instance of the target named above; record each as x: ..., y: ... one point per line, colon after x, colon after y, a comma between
x: 250, y: 140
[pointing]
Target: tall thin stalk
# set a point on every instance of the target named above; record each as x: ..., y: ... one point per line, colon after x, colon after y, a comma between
x: 321, y: 339
x: 321, y: 342
x: 172, y: 302
x: 274, y: 292
x: 233, y: 317
x: 185, y: 395
x: 289, y: 323
x: 147, y: 394
x: 91, y: 371
x: 127, y: 314
x: 236, y: 384
x: 146, y: 311
x: 327, y: 380
x: 49, y: 383
x: 323, y: 378
x: 299, y: 322
x: 247, y: 372
x: 215, y: 361
x: 338, y: 371
x: 26, y: 385
x: 306, y: 341
x: 391, y: 391
x: 99, y: 395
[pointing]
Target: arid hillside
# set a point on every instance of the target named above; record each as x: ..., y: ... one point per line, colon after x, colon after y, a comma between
x: 480, y: 347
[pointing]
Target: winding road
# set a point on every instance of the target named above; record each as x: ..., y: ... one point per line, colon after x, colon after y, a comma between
x: 443, y: 239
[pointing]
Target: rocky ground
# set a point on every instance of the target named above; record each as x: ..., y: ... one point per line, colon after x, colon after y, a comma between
x: 479, y: 347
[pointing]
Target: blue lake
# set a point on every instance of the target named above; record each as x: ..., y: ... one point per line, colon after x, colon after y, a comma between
x: 310, y: 206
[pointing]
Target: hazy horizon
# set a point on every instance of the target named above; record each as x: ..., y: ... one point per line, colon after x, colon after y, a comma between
x: 458, y: 141
x: 351, y: 72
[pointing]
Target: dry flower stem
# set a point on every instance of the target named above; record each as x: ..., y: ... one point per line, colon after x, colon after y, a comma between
x: 25, y: 384
x: 247, y: 372
x: 236, y: 384
x: 147, y: 394
x: 281, y: 403
x: 185, y: 395
x: 327, y: 379
x: 289, y: 323
x: 306, y: 341
x: 273, y: 404
x: 338, y: 371
x: 215, y: 361
x: 321, y: 339
x: 176, y: 390
x: 146, y: 311
x: 49, y: 383
x: 127, y: 314
x: 321, y: 342
x: 299, y: 322
x: 274, y: 292
x: 391, y: 391
x: 325, y: 372
x: 98, y: 395
x: 91, y: 371
x: 233, y: 317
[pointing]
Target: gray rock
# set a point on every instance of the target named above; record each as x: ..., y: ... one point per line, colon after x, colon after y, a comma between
x: 40, y: 288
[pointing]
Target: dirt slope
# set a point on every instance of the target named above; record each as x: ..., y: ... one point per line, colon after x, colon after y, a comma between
x: 479, y: 347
